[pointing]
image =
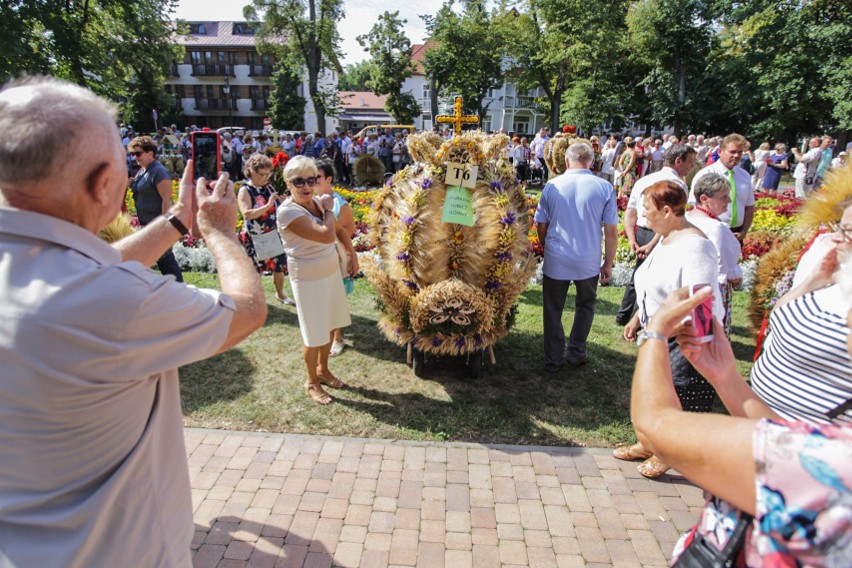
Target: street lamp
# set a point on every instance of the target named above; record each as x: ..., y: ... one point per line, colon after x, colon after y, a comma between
x: 227, y: 90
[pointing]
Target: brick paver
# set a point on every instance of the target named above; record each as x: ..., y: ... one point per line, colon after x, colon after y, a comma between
x: 282, y: 500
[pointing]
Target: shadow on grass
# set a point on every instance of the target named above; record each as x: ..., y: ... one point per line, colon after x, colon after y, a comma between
x: 225, y: 377
x: 514, y: 401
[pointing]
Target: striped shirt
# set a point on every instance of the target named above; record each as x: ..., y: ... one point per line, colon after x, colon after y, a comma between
x: 805, y: 370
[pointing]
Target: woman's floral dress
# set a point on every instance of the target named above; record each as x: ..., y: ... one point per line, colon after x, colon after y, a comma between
x: 261, y: 225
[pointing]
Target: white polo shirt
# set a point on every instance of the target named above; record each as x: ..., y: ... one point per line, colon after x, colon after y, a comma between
x: 635, y: 200
x: 745, y: 192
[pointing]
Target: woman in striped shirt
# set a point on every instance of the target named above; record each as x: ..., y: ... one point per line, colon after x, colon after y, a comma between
x: 805, y: 371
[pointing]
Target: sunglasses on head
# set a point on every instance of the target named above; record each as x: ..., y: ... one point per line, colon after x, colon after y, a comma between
x: 301, y: 182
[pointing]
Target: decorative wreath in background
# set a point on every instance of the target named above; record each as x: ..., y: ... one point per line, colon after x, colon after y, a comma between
x: 776, y: 268
x: 448, y: 288
x: 369, y: 170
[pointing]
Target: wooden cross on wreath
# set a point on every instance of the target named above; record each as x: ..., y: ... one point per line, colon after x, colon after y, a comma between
x: 458, y: 119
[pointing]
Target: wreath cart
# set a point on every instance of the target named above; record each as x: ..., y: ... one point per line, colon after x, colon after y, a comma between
x: 445, y: 288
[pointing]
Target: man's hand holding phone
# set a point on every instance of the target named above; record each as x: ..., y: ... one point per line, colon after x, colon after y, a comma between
x: 217, y: 210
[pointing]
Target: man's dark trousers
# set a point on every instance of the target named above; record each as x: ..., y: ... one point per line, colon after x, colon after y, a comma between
x: 628, y: 302
x: 554, y: 293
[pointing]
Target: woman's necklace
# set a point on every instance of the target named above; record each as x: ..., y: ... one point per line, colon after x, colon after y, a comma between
x: 706, y: 212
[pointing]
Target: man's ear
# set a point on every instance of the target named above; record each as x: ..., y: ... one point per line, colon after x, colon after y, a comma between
x: 99, y: 184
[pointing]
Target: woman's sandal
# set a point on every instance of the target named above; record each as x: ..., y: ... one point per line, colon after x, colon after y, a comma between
x: 317, y: 393
x: 630, y: 453
x: 330, y: 380
x: 652, y: 467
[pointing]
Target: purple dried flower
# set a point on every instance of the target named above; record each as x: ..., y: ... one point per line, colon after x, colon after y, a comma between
x: 460, y: 341
x: 477, y: 340
x: 427, y: 183
x: 436, y: 341
x: 492, y: 285
x: 403, y: 256
x: 504, y: 256
x: 411, y: 285
x: 517, y: 180
x: 390, y: 182
x: 496, y: 186
x: 509, y: 219
x: 408, y: 220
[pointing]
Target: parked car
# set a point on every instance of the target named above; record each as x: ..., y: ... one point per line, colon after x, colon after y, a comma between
x: 394, y: 128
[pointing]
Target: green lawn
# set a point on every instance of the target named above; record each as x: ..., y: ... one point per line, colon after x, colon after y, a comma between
x: 258, y: 386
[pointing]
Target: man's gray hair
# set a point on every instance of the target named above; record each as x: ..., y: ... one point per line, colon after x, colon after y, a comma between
x: 580, y: 153
x: 42, y: 120
x: 676, y: 151
x: 709, y: 185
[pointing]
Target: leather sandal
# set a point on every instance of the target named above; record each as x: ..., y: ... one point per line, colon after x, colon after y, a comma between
x: 652, y: 468
x: 330, y: 380
x: 630, y: 453
x: 318, y: 394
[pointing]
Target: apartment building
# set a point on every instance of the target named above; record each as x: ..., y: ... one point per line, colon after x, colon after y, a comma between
x: 224, y: 81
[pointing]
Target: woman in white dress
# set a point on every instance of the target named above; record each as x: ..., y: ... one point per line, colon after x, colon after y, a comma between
x: 760, y: 157
x: 309, y: 230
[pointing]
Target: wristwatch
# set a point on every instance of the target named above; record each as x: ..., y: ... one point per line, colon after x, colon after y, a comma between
x: 175, y: 222
x: 646, y: 335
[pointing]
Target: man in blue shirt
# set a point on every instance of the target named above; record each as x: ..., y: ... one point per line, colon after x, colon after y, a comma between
x: 572, y: 209
x: 319, y: 146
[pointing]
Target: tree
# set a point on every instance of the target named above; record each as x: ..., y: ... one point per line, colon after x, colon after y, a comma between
x: 287, y: 107
x: 354, y: 76
x: 672, y: 40
x: 403, y: 107
x: 791, y: 66
x: 469, y: 54
x: 573, y: 51
x: 391, y: 65
x: 303, y: 35
x: 120, y: 50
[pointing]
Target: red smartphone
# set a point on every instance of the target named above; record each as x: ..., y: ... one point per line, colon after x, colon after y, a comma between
x: 702, y: 314
x: 206, y: 155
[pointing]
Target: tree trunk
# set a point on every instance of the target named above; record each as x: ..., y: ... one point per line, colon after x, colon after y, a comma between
x: 314, y: 60
x: 433, y: 99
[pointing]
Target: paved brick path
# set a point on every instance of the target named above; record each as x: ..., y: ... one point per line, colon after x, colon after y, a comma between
x: 290, y: 501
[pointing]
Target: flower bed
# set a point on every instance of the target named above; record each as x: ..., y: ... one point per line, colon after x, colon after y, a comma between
x: 774, y: 220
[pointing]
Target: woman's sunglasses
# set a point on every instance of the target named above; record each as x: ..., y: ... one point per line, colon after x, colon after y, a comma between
x: 301, y: 182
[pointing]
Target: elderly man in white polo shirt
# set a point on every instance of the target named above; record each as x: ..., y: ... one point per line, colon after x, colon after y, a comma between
x: 678, y: 161
x: 94, y: 468
x: 740, y: 212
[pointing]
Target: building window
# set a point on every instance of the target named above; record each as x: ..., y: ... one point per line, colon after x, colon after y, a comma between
x: 426, y: 92
x: 243, y: 29
x: 197, y: 29
x: 522, y: 125
x: 486, y: 124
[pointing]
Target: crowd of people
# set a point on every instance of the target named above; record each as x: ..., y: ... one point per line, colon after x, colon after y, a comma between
x: 90, y: 427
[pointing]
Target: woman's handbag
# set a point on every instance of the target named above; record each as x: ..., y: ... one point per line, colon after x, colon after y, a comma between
x: 703, y: 554
x: 267, y: 245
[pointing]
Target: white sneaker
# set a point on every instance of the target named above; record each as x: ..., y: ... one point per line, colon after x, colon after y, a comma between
x: 336, y: 349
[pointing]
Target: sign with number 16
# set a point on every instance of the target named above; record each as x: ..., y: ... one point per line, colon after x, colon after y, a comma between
x: 461, y: 174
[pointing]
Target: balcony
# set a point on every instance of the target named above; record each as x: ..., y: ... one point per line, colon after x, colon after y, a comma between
x: 213, y: 70
x: 260, y: 70
x: 175, y: 72
x: 259, y: 104
x: 528, y: 102
x: 215, y: 104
